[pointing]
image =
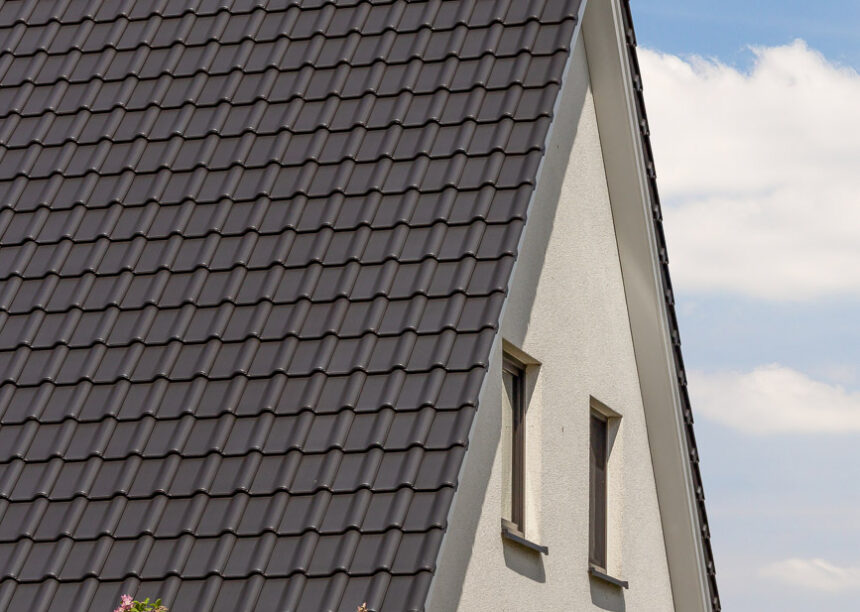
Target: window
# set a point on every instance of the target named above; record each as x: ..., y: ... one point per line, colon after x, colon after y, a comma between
x: 516, y: 376
x: 514, y: 380
x: 597, y: 498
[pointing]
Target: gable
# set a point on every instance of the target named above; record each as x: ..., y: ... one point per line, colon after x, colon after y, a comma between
x: 567, y: 314
x: 252, y: 259
x: 630, y: 179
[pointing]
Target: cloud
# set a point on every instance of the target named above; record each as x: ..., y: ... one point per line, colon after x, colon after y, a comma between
x: 774, y: 400
x: 814, y: 574
x: 758, y: 170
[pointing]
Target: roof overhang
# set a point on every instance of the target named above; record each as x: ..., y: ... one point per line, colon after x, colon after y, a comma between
x: 635, y: 209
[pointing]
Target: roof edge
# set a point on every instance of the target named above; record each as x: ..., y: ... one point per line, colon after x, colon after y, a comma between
x: 636, y: 205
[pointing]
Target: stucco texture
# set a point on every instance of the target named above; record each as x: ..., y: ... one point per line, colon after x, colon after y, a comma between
x: 567, y: 310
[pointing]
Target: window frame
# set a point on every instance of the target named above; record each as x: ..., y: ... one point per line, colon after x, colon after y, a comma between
x: 598, y: 489
x: 517, y: 370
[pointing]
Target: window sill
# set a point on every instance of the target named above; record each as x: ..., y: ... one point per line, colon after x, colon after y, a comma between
x: 511, y: 533
x: 598, y: 573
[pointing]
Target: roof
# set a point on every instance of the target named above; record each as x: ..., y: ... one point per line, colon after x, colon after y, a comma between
x: 252, y: 260
x: 672, y: 322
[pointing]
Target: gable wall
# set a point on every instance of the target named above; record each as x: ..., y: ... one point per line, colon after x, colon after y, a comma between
x: 566, y: 309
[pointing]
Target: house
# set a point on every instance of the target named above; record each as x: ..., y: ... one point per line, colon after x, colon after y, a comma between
x: 305, y: 304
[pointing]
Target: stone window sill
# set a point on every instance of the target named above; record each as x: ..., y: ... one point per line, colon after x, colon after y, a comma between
x: 512, y: 534
x: 599, y: 574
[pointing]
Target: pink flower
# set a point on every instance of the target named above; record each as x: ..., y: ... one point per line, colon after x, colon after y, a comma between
x: 125, y: 603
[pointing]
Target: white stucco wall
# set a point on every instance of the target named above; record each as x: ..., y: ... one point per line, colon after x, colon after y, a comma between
x: 567, y: 310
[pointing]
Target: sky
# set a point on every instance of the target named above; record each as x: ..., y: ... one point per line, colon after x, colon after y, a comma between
x: 754, y: 110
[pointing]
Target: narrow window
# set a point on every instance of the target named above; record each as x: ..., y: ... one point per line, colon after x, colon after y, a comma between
x: 597, y: 498
x: 513, y: 375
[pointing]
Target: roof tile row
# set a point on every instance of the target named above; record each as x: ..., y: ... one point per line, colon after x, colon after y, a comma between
x: 190, y: 57
x: 135, y: 93
x: 216, y: 359
x: 415, y: 110
x: 243, y: 515
x: 291, y: 249
x: 261, y: 116
x: 116, y: 222
x: 296, y: 472
x: 325, y: 148
x: 306, y: 18
x: 231, y: 436
x: 228, y: 556
x: 319, y: 393
x: 304, y: 320
x: 312, y: 179
x: 241, y: 286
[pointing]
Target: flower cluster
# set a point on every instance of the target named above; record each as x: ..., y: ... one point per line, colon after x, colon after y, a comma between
x: 127, y: 604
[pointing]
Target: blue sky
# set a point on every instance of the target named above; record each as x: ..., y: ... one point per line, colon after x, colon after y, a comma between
x: 756, y: 127
x: 724, y: 28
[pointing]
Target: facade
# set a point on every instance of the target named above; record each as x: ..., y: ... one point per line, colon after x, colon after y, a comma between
x: 311, y: 303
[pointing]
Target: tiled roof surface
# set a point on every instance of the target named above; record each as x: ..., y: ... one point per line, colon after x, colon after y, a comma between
x: 252, y: 259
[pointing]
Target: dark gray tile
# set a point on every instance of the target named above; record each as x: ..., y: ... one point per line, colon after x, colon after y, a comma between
x: 427, y: 510
x: 417, y: 552
x: 19, y: 519
x: 43, y: 560
x: 387, y: 510
x: 375, y: 552
x: 138, y: 516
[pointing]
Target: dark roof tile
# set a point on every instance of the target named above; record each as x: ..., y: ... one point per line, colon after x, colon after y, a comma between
x: 388, y: 509
x: 17, y: 520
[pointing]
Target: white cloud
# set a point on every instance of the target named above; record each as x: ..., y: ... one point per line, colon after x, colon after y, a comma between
x: 775, y: 400
x: 814, y: 574
x: 759, y: 171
